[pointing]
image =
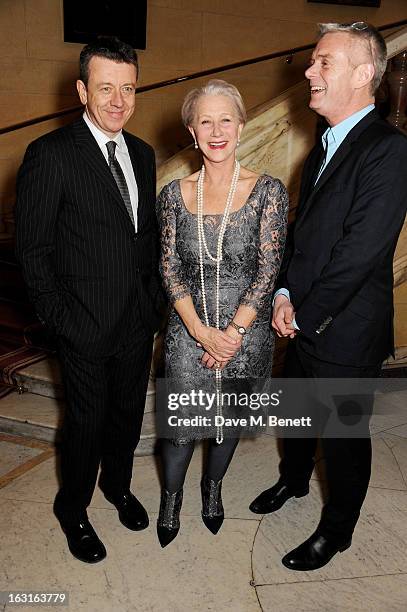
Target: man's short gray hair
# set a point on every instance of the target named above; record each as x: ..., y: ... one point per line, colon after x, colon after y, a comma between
x: 372, y: 38
x: 214, y: 87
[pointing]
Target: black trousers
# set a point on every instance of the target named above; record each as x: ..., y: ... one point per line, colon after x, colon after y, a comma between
x: 105, y: 400
x: 348, y: 460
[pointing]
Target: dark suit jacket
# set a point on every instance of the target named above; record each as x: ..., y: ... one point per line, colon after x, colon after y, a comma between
x: 338, y: 263
x: 88, y: 273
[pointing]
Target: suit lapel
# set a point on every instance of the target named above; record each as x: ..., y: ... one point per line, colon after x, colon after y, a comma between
x: 93, y: 156
x: 139, y: 176
x: 340, y: 155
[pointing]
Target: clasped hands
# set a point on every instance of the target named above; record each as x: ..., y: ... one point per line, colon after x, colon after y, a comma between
x: 283, y: 315
x: 219, y: 346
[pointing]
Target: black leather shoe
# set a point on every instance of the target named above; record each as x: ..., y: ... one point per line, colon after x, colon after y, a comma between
x: 314, y: 553
x: 132, y: 513
x: 83, y: 542
x: 273, y: 499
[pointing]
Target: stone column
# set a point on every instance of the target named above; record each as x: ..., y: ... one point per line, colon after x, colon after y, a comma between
x: 397, y: 79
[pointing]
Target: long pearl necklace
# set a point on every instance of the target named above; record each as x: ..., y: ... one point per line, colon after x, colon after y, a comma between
x: 218, y: 258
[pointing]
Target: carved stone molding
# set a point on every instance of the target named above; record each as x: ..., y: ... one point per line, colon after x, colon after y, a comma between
x: 397, y: 80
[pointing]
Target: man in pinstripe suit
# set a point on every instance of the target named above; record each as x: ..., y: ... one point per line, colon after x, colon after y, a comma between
x: 87, y: 242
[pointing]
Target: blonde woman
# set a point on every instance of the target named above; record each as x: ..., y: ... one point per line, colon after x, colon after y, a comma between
x: 222, y: 236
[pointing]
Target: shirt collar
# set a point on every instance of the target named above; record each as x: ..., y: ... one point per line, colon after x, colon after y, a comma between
x: 100, y: 137
x: 339, y: 132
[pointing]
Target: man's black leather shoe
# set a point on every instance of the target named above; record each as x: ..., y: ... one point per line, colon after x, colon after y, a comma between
x: 83, y: 542
x: 132, y: 513
x: 314, y: 553
x: 273, y: 499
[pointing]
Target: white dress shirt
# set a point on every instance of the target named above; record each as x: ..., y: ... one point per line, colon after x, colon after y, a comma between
x: 122, y: 156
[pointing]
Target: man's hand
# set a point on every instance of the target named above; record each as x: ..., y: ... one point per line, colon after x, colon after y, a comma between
x: 283, y: 314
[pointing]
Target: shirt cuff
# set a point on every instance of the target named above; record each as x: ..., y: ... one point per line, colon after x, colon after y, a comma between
x: 286, y: 293
x: 281, y: 291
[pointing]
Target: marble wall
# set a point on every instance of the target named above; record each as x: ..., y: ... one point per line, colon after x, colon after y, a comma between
x: 38, y: 70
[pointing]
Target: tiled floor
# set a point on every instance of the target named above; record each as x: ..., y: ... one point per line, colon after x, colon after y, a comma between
x: 239, y: 569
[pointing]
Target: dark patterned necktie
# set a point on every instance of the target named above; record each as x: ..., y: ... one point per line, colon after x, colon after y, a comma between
x: 328, y: 141
x: 119, y: 177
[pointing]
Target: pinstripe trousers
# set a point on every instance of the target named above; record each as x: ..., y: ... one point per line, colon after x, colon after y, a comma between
x: 105, y: 400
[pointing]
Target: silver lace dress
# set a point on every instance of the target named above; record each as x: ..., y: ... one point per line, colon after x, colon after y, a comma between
x: 252, y: 251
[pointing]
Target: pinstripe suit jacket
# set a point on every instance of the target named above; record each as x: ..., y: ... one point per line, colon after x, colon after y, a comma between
x: 85, y: 268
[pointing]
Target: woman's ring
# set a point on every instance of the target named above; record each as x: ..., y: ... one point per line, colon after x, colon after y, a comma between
x: 217, y: 364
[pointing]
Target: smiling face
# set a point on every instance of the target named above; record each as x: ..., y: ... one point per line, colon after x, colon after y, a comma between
x: 339, y: 75
x: 110, y: 94
x: 216, y: 126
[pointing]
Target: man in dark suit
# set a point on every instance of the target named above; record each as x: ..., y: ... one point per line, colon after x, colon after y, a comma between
x: 335, y: 290
x: 87, y: 242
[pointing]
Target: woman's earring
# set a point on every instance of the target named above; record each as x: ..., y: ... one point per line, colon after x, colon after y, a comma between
x: 238, y: 143
x: 196, y: 144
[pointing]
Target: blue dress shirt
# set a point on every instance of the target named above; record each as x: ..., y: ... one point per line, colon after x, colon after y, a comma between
x: 332, y: 138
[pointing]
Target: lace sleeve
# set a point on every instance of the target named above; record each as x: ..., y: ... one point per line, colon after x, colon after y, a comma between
x: 273, y: 230
x: 170, y: 263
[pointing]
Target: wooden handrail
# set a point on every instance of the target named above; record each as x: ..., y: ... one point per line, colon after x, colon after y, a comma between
x: 287, y: 53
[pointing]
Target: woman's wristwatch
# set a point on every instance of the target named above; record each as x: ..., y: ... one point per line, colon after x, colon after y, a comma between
x: 239, y: 328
